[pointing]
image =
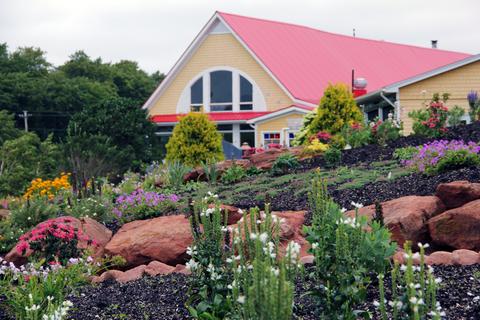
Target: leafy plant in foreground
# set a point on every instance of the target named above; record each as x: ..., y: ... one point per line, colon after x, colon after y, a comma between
x: 233, y: 174
x: 344, y: 255
x: 284, y: 163
x: 414, y: 290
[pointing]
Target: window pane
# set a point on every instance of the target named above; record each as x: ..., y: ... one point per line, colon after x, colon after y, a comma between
x: 221, y: 86
x: 246, y: 90
x: 221, y: 107
x: 246, y: 127
x: 227, y: 136
x: 196, y: 92
x: 165, y: 129
x: 247, y: 106
x: 248, y: 137
x: 224, y: 127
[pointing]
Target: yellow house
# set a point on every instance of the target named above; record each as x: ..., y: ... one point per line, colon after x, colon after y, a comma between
x: 457, y: 79
x: 256, y: 79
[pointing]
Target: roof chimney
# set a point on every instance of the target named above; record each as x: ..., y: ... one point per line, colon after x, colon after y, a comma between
x: 434, y: 44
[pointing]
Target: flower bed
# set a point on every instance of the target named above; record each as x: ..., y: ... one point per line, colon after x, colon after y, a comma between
x: 440, y: 155
x: 143, y: 205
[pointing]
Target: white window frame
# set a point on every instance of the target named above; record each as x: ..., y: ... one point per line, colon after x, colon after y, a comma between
x: 287, y: 138
x: 265, y: 146
x: 259, y: 104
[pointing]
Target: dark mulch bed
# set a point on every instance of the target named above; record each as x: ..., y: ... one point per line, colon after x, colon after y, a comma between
x: 413, y: 184
x: 372, y: 153
x: 163, y: 297
x: 152, y: 298
x: 459, y: 294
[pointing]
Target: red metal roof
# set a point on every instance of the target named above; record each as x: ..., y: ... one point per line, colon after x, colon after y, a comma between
x: 305, y: 60
x: 214, y: 116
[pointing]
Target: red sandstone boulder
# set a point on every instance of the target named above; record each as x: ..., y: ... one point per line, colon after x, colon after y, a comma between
x: 458, y: 228
x: 156, y: 267
x: 164, y: 239
x: 456, y: 194
x: 439, y: 257
x: 197, y: 174
x: 264, y: 160
x: 406, y: 217
x: 90, y: 228
x: 234, y: 214
x: 465, y: 257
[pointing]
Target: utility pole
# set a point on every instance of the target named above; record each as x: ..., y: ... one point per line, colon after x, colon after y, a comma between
x: 25, y: 116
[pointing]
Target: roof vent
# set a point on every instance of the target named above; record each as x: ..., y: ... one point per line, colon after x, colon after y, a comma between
x: 434, y: 44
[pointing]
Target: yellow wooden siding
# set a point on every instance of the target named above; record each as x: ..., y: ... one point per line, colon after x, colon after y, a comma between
x: 275, y: 125
x: 457, y: 82
x: 221, y: 50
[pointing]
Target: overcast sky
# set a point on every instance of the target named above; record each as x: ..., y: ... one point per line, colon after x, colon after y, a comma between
x: 155, y: 32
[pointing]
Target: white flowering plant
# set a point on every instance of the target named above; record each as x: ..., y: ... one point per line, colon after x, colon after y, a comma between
x: 263, y: 274
x: 346, y: 251
x: 414, y: 289
x: 209, y: 296
x: 35, y: 291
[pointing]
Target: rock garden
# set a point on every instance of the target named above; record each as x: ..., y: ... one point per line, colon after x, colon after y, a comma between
x: 383, y: 227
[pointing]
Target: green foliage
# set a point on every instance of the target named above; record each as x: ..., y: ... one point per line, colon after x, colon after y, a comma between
x: 246, y: 281
x: 431, y: 122
x: 384, y: 131
x: 419, y: 117
x: 210, y: 171
x: 455, y: 115
x: 194, y: 140
x: 414, y: 290
x: 233, y: 174
x: 131, y: 136
x: 405, y: 153
x: 52, y: 95
x: 24, y: 158
x: 95, y: 207
x: 24, y: 293
x: 301, y: 137
x: 333, y: 157
x: 7, y: 129
x: 342, y: 250
x: 337, y: 108
x: 454, y: 159
x: 25, y: 214
x: 253, y: 171
x: 284, y: 164
x: 356, y: 136
x: 176, y: 172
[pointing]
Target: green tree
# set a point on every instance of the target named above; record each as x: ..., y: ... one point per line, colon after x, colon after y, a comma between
x: 127, y: 127
x: 7, y: 127
x: 337, y: 108
x: 25, y: 158
x: 194, y: 140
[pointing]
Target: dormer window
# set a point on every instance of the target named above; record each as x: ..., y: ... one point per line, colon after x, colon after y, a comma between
x: 221, y: 90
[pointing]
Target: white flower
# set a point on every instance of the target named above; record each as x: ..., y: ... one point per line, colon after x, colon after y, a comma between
x: 253, y: 236
x: 228, y: 260
x: 275, y: 271
x: 357, y: 205
x: 376, y: 303
x: 241, y: 299
x: 343, y: 210
x: 424, y: 246
x: 191, y: 265
x: 264, y: 237
x: 438, y: 280
x: 314, y: 245
x: 240, y: 211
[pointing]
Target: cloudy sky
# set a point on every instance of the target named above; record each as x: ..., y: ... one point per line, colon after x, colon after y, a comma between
x: 155, y: 32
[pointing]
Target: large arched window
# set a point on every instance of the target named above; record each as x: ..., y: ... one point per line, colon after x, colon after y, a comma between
x: 221, y: 90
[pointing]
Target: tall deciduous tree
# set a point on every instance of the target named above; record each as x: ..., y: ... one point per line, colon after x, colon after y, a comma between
x: 129, y: 132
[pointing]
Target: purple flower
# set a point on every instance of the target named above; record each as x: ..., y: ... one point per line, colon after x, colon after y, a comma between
x: 472, y: 97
